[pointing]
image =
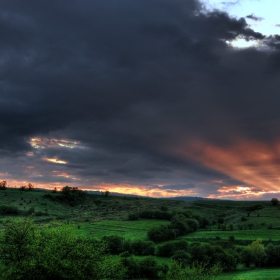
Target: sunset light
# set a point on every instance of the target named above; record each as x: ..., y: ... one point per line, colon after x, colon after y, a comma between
x: 140, y: 139
x: 182, y: 100
x: 41, y: 143
x: 55, y: 160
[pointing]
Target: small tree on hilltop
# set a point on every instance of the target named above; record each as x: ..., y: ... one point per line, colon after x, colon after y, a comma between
x: 274, y: 201
x: 3, y: 185
x: 30, y: 187
x: 66, y: 190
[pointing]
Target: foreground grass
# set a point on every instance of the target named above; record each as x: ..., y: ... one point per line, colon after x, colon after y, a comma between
x: 250, y: 235
x: 255, y: 274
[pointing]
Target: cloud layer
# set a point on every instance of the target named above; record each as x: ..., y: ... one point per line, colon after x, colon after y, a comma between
x: 134, y: 96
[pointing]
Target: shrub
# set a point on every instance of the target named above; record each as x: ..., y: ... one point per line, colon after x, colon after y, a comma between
x: 196, y: 271
x: 274, y: 201
x: 8, y: 210
x: 223, y: 227
x: 143, y: 248
x: 53, y: 252
x: 182, y: 257
x: 169, y: 248
x: 143, y: 268
x: 255, y: 207
x: 133, y: 216
x: 243, y: 219
x: 165, y: 250
x: 255, y: 253
x: 180, y: 223
x: 113, y: 243
x: 193, y: 224
x: 48, y: 196
x: 272, y: 255
x: 162, y: 233
x: 160, y: 215
x: 30, y: 211
x: 149, y: 268
x: 69, y: 195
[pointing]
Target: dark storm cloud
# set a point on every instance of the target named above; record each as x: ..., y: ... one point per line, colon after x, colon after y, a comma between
x: 232, y: 3
x: 255, y: 18
x: 128, y: 79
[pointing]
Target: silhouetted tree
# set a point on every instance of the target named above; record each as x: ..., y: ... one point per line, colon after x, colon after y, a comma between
x: 30, y: 187
x: 3, y: 185
x: 66, y: 190
x: 274, y: 201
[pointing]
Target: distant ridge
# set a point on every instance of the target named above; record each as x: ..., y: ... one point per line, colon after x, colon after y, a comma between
x: 114, y: 194
x: 189, y: 198
x: 182, y: 198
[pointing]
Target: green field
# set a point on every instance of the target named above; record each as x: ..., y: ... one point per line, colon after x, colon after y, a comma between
x: 127, y: 229
x: 97, y: 216
x: 252, y: 274
x: 250, y: 235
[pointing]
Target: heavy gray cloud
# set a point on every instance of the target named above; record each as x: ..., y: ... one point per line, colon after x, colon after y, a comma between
x: 129, y: 80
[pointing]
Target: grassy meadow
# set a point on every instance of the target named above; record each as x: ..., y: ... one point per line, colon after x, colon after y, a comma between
x: 99, y: 215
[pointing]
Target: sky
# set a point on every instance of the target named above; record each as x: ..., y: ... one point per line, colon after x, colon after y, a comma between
x: 152, y: 97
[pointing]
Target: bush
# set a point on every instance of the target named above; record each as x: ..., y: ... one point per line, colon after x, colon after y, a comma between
x: 143, y: 248
x: 243, y: 219
x: 53, y: 252
x: 162, y: 233
x: 213, y: 254
x: 193, y: 224
x: 168, y: 249
x: 196, y: 271
x: 30, y: 211
x: 48, y: 196
x: 159, y: 215
x: 180, y: 223
x: 165, y: 250
x: 274, y: 201
x: 182, y: 257
x: 69, y: 195
x: 133, y: 216
x: 8, y: 210
x: 272, y: 255
x: 149, y: 268
x: 255, y: 207
x: 113, y: 243
x: 203, y: 222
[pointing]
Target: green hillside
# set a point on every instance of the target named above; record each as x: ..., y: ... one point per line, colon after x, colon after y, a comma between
x: 132, y: 223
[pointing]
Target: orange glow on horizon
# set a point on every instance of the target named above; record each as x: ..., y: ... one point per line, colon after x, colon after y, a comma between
x: 122, y: 189
x: 253, y: 163
x: 150, y: 192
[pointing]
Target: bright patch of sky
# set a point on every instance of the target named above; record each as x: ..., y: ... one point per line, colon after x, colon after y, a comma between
x: 41, y: 143
x: 264, y: 15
